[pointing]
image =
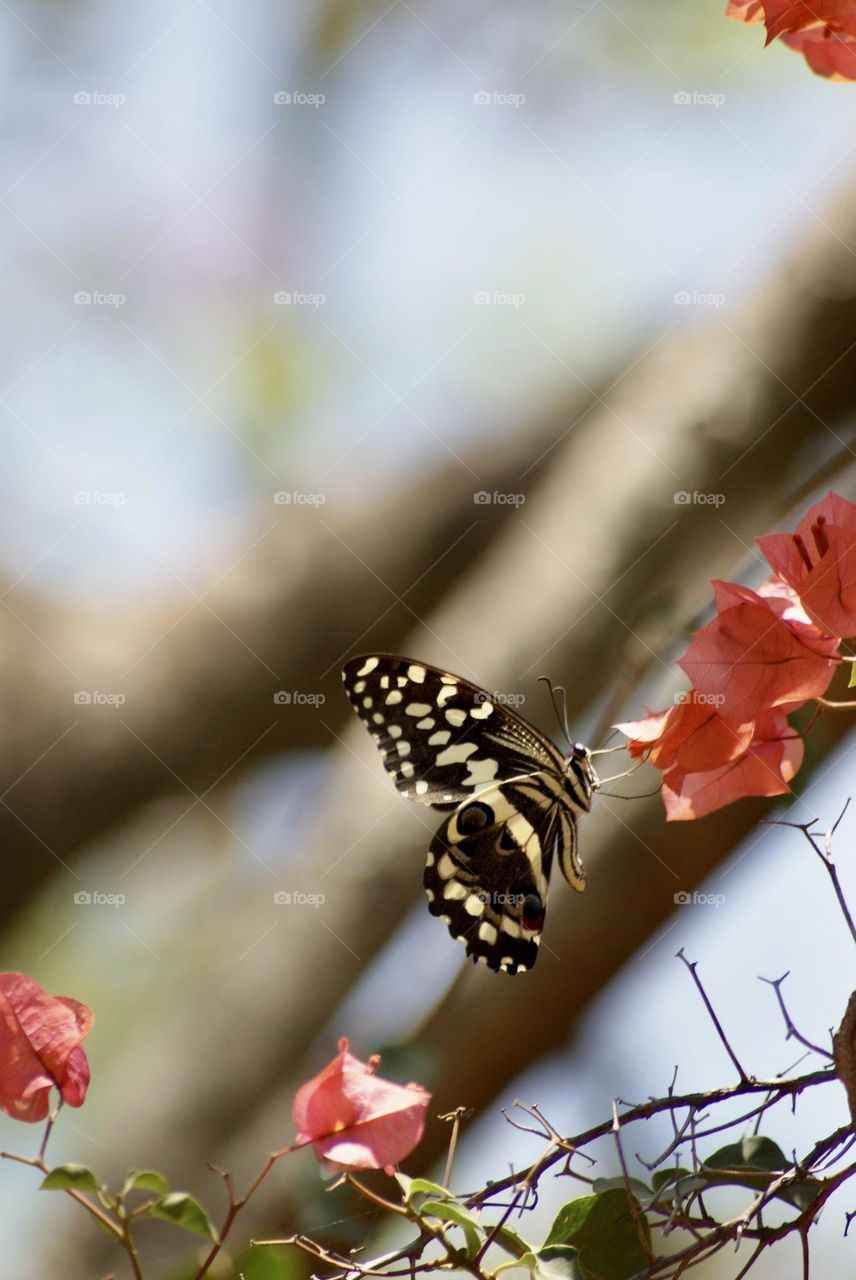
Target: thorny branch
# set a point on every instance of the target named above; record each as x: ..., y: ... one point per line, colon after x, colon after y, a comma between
x: 800, y: 1188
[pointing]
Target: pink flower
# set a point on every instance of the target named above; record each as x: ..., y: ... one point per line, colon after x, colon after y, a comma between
x: 691, y: 735
x: 819, y: 563
x: 754, y: 655
x: 40, y: 1048
x: 764, y: 768
x: 355, y: 1119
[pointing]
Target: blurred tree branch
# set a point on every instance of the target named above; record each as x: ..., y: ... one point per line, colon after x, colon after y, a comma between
x: 199, y: 673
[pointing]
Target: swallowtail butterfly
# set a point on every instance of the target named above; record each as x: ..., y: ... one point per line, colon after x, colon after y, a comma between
x: 513, y: 800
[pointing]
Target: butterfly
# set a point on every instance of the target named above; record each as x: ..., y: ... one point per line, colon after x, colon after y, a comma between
x: 512, y: 798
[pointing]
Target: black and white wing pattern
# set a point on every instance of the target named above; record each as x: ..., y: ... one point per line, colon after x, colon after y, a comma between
x: 514, y: 800
x: 488, y: 870
x: 441, y: 737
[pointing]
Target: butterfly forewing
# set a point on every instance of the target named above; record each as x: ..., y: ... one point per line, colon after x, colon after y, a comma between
x: 515, y: 800
x: 441, y: 738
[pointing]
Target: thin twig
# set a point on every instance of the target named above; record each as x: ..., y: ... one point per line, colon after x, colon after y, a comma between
x: 692, y: 965
x: 791, y: 1031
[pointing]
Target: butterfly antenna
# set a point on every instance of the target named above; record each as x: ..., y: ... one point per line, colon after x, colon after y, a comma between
x: 627, y: 772
x: 613, y: 795
x: 561, y: 716
x: 604, y: 751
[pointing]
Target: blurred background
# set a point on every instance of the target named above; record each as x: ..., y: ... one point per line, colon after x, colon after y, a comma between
x: 485, y: 334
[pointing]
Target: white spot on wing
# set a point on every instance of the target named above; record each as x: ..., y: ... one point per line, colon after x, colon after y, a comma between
x: 394, y: 730
x: 407, y: 769
x: 454, y: 889
x: 421, y: 787
x: 403, y: 747
x: 440, y: 738
x: 445, y: 867
x: 417, y: 708
x: 474, y: 905
x: 368, y: 665
x: 393, y: 697
x: 456, y: 717
x: 480, y: 771
x: 448, y: 691
x: 482, y: 711
x: 487, y: 932
x: 427, y: 723
x: 457, y: 753
x: 416, y: 673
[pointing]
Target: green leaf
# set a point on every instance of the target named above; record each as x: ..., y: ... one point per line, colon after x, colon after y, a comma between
x: 677, y: 1184
x: 183, y: 1211
x: 750, y: 1153
x: 852, y: 681
x: 450, y: 1211
x: 639, y: 1189
x: 664, y: 1176
x: 602, y: 1228
x: 145, y: 1180
x: 754, y: 1162
x: 413, y: 1187
x: 269, y: 1263
x: 511, y: 1242
x: 70, y: 1176
x: 554, y: 1262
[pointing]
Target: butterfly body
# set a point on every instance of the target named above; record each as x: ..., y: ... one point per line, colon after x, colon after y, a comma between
x: 511, y: 797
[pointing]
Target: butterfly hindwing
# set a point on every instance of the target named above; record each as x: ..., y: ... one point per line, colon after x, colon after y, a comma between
x: 488, y: 871
x: 441, y: 738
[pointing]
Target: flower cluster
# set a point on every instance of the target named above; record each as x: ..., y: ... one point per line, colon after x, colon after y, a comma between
x: 765, y: 654
x: 823, y: 31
